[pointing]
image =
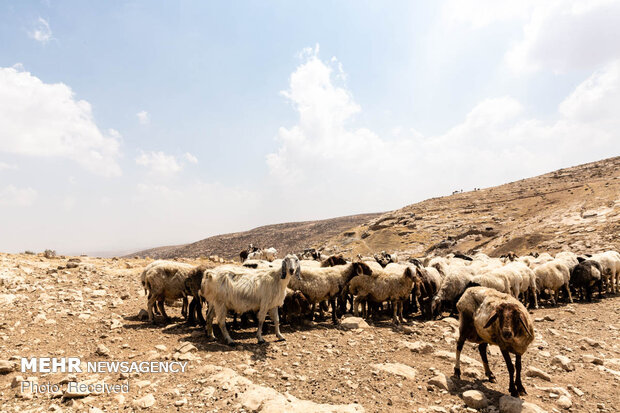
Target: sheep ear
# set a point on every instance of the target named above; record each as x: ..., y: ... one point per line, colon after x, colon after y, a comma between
x: 283, y: 270
x: 491, y: 320
x: 298, y: 272
x: 524, y: 324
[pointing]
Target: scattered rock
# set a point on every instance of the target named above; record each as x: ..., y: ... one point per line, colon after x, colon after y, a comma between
x: 421, y: 347
x: 75, y: 393
x: 535, y: 372
x: 6, y: 366
x: 564, y: 402
x: 509, y: 404
x: 441, y: 381
x: 575, y: 390
x: 397, y: 368
x: 144, y: 402
x: 563, y: 362
x: 102, y: 350
x: 143, y: 315
x: 352, y: 323
x: 475, y: 399
x: 186, y: 348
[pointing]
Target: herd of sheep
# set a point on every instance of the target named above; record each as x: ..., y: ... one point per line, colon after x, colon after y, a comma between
x: 490, y: 295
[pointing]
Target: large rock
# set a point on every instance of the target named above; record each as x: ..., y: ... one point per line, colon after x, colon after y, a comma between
x: 397, y: 368
x: 421, y: 347
x: 563, y: 362
x: 534, y: 372
x: 144, y: 402
x: 351, y: 323
x: 451, y: 356
x: 508, y: 404
x: 475, y: 399
x: 565, y: 402
x: 441, y: 381
x: 6, y: 366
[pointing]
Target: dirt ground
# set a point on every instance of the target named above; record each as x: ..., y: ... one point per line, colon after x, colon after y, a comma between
x: 46, y: 311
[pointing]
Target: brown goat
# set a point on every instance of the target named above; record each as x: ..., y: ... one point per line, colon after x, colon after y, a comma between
x: 487, y: 316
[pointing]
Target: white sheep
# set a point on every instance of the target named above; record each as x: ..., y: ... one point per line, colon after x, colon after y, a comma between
x: 496, y: 280
x: 327, y: 283
x: 394, y: 284
x: 554, y: 275
x: 610, y: 263
x: 487, y: 316
x: 569, y: 259
x: 165, y: 280
x: 268, y: 254
x: 242, y: 289
x: 455, y: 280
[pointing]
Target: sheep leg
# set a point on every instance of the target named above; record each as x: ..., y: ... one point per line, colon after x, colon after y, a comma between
x: 221, y: 321
x: 273, y: 313
x: 160, y: 304
x: 191, y: 318
x: 457, y: 363
x: 356, y: 303
x: 261, y: 319
x: 313, y: 310
x: 201, y: 319
x: 533, y: 292
x: 511, y: 372
x: 209, y: 323
x: 520, y: 387
x: 149, y: 307
x: 568, y: 294
x: 400, y: 311
x: 184, y: 308
x: 394, y: 313
x: 335, y: 320
x: 482, y: 348
x: 195, y: 312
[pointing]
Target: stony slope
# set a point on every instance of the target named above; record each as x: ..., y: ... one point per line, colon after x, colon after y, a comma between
x: 287, y: 237
x: 90, y: 312
x: 576, y: 208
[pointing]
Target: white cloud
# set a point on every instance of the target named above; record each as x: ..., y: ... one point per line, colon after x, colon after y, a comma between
x: 325, y: 163
x: 41, y: 31
x: 190, y: 158
x: 5, y: 166
x: 480, y: 13
x: 45, y: 120
x: 143, y: 117
x: 159, y: 163
x: 597, y: 98
x: 568, y: 34
x: 12, y: 196
x: 69, y: 202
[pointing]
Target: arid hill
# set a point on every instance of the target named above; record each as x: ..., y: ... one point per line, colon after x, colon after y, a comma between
x: 287, y: 237
x: 575, y: 208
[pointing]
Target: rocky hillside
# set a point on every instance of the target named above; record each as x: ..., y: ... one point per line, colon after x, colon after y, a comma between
x: 89, y: 308
x: 292, y: 236
x: 576, y: 208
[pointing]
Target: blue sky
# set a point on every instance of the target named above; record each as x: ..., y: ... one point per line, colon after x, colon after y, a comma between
x: 136, y: 124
